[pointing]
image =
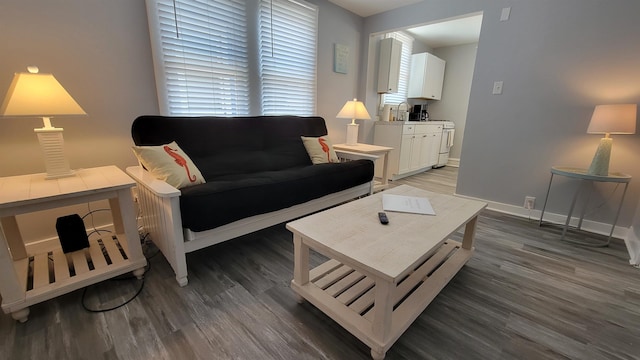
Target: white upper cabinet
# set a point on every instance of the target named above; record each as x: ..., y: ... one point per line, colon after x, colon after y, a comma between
x: 389, y: 65
x: 426, y: 76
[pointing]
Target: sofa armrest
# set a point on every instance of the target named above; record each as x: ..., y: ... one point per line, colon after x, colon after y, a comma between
x: 159, y: 205
x: 350, y: 155
x: 158, y: 187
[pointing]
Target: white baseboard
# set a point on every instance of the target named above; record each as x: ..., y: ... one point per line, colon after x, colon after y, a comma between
x: 44, y: 245
x: 633, y: 246
x: 453, y: 162
x: 587, y: 225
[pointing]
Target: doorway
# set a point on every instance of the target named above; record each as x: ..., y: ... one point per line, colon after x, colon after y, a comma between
x: 454, y: 40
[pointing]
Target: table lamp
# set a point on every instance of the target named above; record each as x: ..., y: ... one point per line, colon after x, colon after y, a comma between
x: 609, y: 119
x: 353, y: 110
x: 40, y: 95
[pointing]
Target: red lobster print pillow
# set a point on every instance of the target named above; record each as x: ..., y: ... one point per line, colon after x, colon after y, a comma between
x: 170, y: 164
x: 320, y: 150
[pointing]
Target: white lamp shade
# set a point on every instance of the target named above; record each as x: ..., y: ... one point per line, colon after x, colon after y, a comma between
x: 613, y: 119
x: 353, y: 109
x: 38, y: 95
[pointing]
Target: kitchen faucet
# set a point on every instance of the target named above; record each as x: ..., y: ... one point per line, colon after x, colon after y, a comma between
x: 398, y: 110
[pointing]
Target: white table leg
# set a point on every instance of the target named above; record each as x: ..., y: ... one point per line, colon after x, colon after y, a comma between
x: 300, y: 264
x: 385, y: 166
x: 377, y: 355
x: 21, y: 315
x: 469, y: 233
x: 383, y: 307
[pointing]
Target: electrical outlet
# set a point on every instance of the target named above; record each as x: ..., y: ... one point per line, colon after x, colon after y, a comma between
x: 529, y: 202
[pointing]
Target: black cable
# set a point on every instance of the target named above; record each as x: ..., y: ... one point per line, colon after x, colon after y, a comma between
x: 84, y: 291
x: 93, y: 211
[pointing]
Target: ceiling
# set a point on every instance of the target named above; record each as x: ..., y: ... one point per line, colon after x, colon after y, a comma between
x: 366, y: 8
x: 449, y: 33
x: 446, y: 33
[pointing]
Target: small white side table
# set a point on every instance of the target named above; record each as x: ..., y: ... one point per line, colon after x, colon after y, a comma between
x: 30, y: 278
x: 373, y: 150
x: 586, y: 181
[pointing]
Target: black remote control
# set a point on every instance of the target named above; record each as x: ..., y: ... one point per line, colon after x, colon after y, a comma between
x: 383, y: 218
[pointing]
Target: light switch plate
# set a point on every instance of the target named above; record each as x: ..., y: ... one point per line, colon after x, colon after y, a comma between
x: 497, y: 87
x: 504, y: 16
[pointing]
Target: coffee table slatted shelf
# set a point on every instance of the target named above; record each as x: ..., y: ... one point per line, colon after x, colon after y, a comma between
x: 346, y: 288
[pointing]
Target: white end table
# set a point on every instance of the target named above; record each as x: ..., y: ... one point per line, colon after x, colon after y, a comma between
x: 373, y: 150
x: 29, y: 278
x: 586, y: 181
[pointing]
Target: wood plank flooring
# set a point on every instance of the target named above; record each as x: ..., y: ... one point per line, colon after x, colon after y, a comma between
x: 524, y: 295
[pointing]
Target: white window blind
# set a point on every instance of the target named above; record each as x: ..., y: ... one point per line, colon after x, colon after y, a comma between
x: 405, y: 67
x: 288, y: 34
x: 200, y: 54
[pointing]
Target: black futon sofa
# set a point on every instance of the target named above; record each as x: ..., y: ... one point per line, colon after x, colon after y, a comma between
x: 258, y: 174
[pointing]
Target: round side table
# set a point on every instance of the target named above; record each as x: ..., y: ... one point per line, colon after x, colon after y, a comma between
x: 587, y: 181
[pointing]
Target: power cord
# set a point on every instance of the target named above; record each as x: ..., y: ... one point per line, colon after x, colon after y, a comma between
x: 84, y: 292
x: 145, y: 241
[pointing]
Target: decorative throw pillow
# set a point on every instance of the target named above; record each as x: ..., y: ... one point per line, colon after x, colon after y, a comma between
x: 170, y: 164
x: 320, y: 149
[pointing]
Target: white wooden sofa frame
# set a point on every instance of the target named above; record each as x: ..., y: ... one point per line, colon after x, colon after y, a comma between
x: 161, y: 218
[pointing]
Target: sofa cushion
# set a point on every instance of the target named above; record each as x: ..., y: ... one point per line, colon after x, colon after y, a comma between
x: 320, y: 149
x: 233, y: 197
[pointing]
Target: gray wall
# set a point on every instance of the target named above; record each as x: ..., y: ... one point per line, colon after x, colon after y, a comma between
x: 558, y: 59
x: 337, y: 25
x: 456, y: 89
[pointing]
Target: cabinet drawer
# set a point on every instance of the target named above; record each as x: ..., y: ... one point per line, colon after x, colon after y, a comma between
x: 428, y: 128
x: 408, y: 129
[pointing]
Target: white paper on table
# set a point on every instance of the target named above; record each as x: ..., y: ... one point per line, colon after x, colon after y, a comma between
x: 409, y: 204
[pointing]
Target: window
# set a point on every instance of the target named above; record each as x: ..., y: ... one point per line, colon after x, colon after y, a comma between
x: 405, y: 67
x: 201, y: 50
x: 288, y: 33
x: 204, y: 64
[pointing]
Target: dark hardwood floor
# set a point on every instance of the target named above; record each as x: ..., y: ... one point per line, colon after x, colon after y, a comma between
x: 524, y: 295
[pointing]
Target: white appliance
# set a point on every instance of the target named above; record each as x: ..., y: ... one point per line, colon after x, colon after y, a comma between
x: 446, y: 142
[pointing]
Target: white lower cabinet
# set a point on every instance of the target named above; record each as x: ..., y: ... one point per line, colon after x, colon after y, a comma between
x: 415, y: 145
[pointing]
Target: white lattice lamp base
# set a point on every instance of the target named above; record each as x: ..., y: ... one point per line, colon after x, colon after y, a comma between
x: 52, y: 145
x: 352, y: 134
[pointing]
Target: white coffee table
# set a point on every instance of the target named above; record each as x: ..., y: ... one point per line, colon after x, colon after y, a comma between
x: 381, y: 277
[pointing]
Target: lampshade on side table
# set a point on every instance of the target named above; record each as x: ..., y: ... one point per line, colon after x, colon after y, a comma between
x: 41, y: 95
x: 353, y: 110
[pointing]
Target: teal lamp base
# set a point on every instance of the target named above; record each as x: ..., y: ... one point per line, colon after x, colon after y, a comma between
x: 600, y: 163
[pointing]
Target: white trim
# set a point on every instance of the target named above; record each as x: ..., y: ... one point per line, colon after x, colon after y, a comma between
x: 156, y: 51
x: 453, y: 162
x: 633, y: 246
x: 587, y: 225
